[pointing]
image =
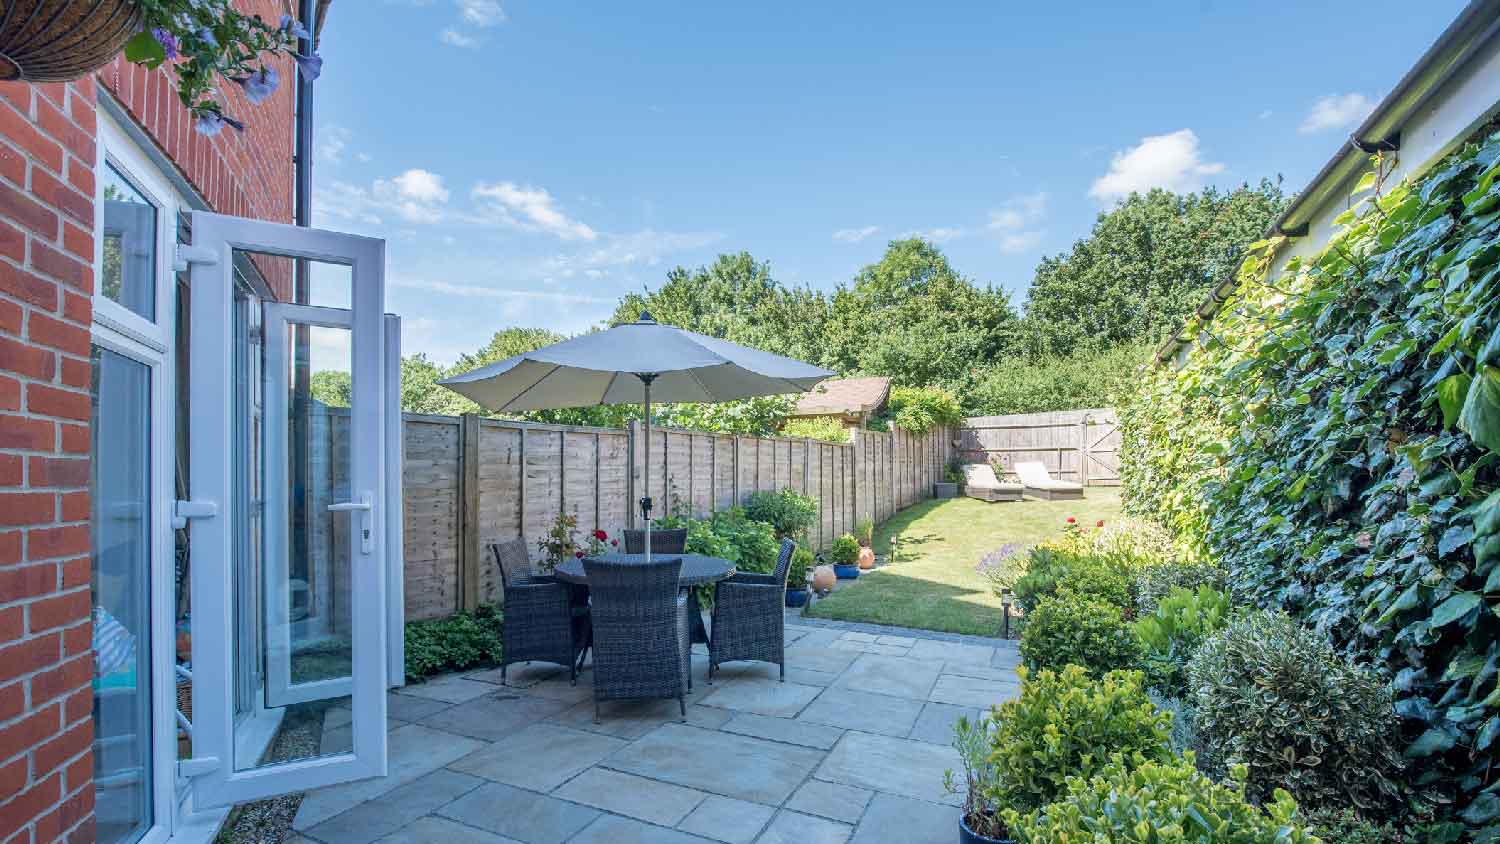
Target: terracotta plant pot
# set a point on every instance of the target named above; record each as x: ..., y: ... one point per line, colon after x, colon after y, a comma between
x: 866, y: 557
x: 823, y: 578
x: 61, y: 40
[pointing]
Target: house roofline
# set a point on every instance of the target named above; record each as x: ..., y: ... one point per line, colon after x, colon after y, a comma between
x: 1382, y: 130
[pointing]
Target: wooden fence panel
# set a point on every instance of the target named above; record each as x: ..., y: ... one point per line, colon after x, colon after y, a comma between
x: 430, y: 503
x: 1075, y: 445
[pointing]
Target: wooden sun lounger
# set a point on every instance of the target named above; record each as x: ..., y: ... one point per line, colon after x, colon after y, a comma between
x: 980, y: 482
x: 1041, y: 484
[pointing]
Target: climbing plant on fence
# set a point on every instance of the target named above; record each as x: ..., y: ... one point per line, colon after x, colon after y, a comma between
x: 1333, y: 442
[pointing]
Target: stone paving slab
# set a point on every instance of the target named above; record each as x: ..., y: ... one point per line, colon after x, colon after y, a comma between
x: 522, y: 815
x: 541, y: 757
x: 655, y: 802
x: 901, y: 820
x: 797, y: 828
x: 972, y: 691
x: 891, y: 766
x: 896, y: 676
x: 852, y: 747
x: 722, y: 763
x: 727, y: 819
x: 872, y: 713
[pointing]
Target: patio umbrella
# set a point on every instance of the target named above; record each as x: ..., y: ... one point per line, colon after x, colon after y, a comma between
x: 634, y: 362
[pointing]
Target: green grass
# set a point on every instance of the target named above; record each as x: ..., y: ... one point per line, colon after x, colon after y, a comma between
x: 934, y: 585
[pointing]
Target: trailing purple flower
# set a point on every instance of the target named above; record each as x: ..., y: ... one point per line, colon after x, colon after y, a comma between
x: 260, y: 84
x: 311, y: 66
x: 294, y: 28
x: 168, y: 42
x: 211, y: 121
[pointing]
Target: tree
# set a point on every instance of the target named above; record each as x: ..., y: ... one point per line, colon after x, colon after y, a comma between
x: 1147, y: 263
x: 912, y: 317
x: 334, y: 388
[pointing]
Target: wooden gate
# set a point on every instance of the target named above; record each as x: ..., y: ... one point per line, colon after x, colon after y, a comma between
x: 1074, y: 445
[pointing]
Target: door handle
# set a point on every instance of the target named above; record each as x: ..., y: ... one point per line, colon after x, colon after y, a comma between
x: 365, y: 505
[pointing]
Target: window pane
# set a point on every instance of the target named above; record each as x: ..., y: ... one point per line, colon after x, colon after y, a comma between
x: 129, y: 272
x: 121, y: 521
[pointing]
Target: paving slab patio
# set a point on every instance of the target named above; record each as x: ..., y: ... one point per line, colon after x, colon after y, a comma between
x: 850, y: 748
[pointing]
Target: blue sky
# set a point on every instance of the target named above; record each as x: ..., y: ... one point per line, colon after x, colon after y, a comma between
x: 531, y: 161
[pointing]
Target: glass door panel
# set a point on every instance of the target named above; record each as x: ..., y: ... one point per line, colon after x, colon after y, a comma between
x: 308, y: 610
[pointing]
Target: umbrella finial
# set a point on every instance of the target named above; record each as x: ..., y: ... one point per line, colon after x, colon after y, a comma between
x: 645, y: 317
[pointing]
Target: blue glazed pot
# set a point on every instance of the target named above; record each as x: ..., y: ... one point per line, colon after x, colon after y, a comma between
x: 796, y: 598
x: 969, y: 836
x: 846, y: 572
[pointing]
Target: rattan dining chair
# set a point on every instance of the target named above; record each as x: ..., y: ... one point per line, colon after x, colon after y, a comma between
x: 541, y: 621
x: 662, y: 541
x: 640, y: 623
x: 749, y: 622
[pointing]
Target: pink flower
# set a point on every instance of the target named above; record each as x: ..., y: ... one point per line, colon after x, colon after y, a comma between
x: 600, y: 535
x: 578, y: 554
x: 1072, y: 520
x: 615, y: 542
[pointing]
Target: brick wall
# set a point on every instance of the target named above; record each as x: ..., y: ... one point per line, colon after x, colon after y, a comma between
x: 48, y: 139
x: 47, y: 155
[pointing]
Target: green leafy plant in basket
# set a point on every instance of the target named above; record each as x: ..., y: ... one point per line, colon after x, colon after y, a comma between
x: 208, y: 40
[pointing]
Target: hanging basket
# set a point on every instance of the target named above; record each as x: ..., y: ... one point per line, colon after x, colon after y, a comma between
x: 61, y: 40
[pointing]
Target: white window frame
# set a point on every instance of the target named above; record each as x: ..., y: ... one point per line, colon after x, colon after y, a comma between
x: 150, y: 343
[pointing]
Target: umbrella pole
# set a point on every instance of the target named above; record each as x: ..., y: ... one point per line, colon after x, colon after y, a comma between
x: 646, y: 379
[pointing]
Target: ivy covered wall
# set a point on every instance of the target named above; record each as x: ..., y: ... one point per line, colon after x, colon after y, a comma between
x: 1332, y: 440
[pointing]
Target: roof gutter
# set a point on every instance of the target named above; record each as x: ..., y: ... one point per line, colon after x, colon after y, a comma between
x: 1379, y: 132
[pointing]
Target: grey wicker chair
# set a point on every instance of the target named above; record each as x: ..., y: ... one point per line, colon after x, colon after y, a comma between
x: 640, y: 624
x: 541, y: 622
x: 749, y: 620
x: 662, y: 541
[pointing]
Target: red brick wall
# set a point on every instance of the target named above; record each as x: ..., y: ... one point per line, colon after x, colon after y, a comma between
x: 48, y: 140
x: 47, y: 156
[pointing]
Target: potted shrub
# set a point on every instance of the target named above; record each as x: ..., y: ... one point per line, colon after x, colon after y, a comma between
x: 948, y: 486
x: 796, y: 579
x: 981, y: 821
x: 845, y: 556
x: 864, y: 531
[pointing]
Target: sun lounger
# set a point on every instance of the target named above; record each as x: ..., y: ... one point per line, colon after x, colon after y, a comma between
x: 1041, y: 484
x: 980, y: 482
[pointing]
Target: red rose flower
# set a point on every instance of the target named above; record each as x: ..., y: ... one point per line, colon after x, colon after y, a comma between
x: 615, y: 542
x: 578, y: 554
x: 600, y: 535
x: 1100, y: 523
x: 1071, y: 520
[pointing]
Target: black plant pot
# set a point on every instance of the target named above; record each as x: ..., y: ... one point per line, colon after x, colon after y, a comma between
x: 969, y: 836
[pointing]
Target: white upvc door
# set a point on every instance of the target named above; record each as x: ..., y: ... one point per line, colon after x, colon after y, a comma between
x: 323, y: 596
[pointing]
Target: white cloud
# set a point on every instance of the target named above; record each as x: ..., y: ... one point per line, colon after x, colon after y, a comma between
x: 481, y: 12
x: 480, y: 291
x: 643, y: 248
x: 1015, y: 221
x: 421, y: 186
x: 331, y: 143
x: 454, y: 38
x: 855, y: 235
x: 1266, y: 115
x: 937, y: 235
x: 529, y: 208
x: 1169, y: 161
x: 415, y: 196
x: 1335, y: 111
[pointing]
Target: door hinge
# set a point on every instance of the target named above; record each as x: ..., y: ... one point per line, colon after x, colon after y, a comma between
x: 184, y: 510
x: 197, y: 766
x: 189, y: 254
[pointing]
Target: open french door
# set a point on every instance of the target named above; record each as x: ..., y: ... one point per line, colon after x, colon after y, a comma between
x: 288, y: 509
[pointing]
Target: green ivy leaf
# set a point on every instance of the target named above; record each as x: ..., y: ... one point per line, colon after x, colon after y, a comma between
x: 1480, y: 418
x: 1456, y: 607
x: 1435, y: 740
x: 143, y: 48
x: 1452, y: 391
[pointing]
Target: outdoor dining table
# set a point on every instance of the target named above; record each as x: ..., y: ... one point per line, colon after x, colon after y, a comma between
x: 697, y: 570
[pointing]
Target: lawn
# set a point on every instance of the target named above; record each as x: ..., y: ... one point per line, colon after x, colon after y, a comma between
x: 934, y: 584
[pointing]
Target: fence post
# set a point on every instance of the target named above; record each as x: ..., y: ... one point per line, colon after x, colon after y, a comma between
x: 736, y: 501
x: 1083, y: 449
x: 630, y: 475
x: 468, y: 515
